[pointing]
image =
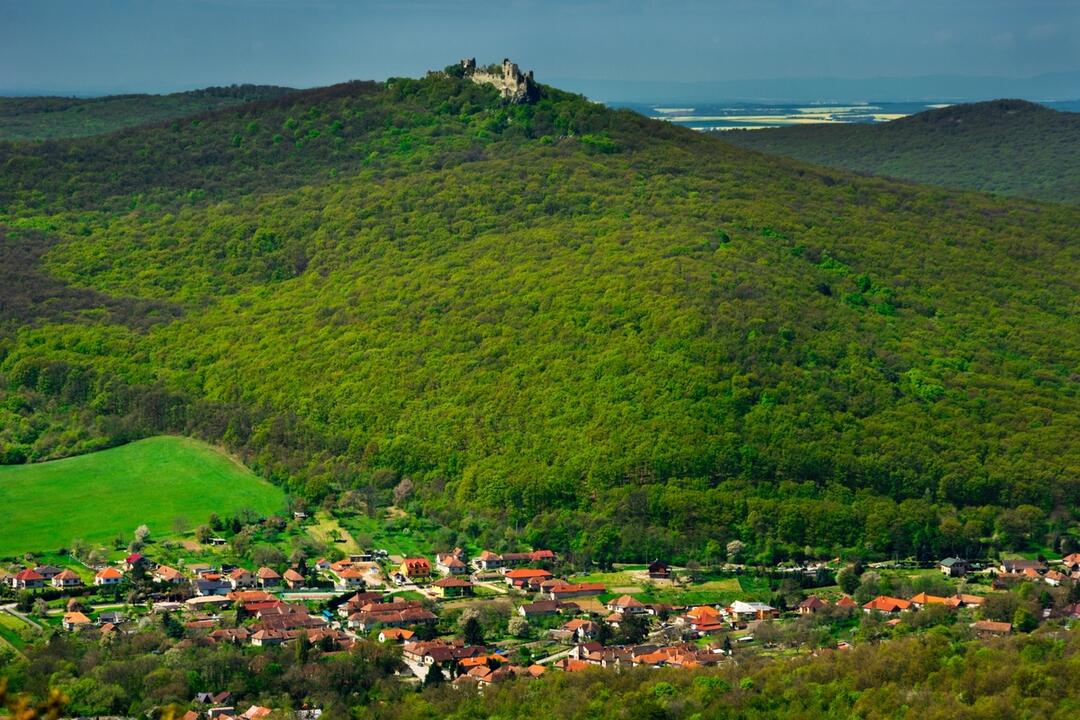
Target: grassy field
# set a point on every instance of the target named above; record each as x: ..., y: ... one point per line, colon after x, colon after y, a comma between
x: 94, y: 497
x: 11, y: 630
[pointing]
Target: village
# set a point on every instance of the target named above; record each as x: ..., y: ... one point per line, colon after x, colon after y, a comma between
x: 475, y: 621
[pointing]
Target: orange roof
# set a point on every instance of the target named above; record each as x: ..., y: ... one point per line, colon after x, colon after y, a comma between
x: 397, y: 633
x: 68, y: 575
x: 76, y: 618
x: 109, y: 573
x: 702, y: 612
x: 924, y: 599
x: 845, y: 601
x: 991, y: 626
x: 526, y: 573
x: 884, y: 603
x: 265, y: 573
x: 293, y: 576
x: 575, y: 665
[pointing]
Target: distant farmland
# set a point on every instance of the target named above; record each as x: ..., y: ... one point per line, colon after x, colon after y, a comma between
x: 94, y: 497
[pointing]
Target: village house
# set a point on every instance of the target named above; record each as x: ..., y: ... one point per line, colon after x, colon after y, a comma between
x: 954, y: 567
x: 1054, y: 578
x: 742, y: 611
x: 1071, y: 562
x: 811, y: 605
x: 48, y: 571
x: 659, y: 570
x: 166, y: 575
x: 108, y: 576
x: 449, y: 587
x: 452, y: 563
x: 627, y: 605
x: 348, y: 578
x: 134, y: 561
x: 564, y: 592
x: 1018, y: 566
x: 207, y: 587
x: 241, y: 578
x: 66, y: 579
x: 76, y: 621
x: 886, y: 604
x: 293, y: 579
x: 356, y: 603
x: 703, y: 619
x: 267, y: 578
x: 540, y: 608
x: 392, y: 614
x: 922, y: 600
x: 581, y: 630
x: 488, y: 560
x: 396, y: 635
x: 27, y: 579
x: 415, y: 567
x: 523, y: 578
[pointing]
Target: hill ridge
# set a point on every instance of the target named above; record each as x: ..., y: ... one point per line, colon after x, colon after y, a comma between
x: 565, y: 324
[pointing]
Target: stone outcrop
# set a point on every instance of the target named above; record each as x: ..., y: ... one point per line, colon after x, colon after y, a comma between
x: 512, y: 84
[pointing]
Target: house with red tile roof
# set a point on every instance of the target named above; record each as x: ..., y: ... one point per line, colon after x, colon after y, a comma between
x: 267, y: 578
x: 415, y: 567
x: 627, y: 605
x: 293, y: 579
x: 108, y: 576
x: 562, y: 592
x: 922, y: 600
x: 66, y: 579
x: 451, y: 586
x: 167, y: 576
x: 27, y: 579
x: 526, y: 577
x: 241, y: 578
x: 886, y: 604
x: 348, y: 578
x: 811, y: 605
x: 396, y: 635
x: 76, y: 621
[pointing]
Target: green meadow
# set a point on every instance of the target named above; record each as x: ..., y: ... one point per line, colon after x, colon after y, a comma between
x: 97, y: 496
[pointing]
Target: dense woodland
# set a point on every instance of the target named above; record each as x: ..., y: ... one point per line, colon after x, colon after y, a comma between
x: 1011, y: 147
x: 49, y: 118
x: 568, y: 326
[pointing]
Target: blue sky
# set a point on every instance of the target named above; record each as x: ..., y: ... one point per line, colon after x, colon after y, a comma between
x: 86, y: 46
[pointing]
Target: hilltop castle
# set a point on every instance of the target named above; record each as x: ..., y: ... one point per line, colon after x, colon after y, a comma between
x: 512, y: 84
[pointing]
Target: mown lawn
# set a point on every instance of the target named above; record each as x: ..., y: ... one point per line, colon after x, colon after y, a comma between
x: 94, y: 497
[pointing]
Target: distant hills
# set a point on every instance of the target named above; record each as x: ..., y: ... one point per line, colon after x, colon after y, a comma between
x: 567, y: 326
x: 1011, y: 147
x: 46, y: 118
x: 926, y: 88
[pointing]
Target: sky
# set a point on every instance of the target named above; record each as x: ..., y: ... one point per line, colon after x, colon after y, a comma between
x: 96, y: 46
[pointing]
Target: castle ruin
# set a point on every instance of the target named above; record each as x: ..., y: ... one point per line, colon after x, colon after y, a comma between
x: 514, y: 86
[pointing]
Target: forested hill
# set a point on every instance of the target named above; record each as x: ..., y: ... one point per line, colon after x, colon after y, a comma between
x: 1011, y: 147
x: 48, y: 118
x: 565, y: 325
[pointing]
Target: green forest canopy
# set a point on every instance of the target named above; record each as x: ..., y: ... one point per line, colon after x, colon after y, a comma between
x: 569, y: 325
x: 1011, y: 147
x: 49, y: 118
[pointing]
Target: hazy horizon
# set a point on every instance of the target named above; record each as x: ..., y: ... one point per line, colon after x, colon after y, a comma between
x: 624, y: 49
